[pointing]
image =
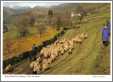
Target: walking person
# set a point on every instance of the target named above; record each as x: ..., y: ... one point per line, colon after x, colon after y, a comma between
x: 105, y: 35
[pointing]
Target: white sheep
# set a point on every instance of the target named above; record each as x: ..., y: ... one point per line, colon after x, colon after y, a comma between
x: 77, y: 40
x: 9, y: 68
x: 45, y: 65
x: 65, y: 46
x: 83, y: 35
x: 32, y: 64
x: 37, y: 68
x: 49, y: 60
x: 38, y: 59
x: 51, y: 52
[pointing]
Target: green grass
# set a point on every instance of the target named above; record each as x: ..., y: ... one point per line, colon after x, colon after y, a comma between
x: 85, y: 58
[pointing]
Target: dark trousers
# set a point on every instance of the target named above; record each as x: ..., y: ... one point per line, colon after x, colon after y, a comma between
x: 105, y: 43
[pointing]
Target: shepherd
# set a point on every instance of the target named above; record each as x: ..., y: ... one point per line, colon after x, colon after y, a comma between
x: 105, y: 35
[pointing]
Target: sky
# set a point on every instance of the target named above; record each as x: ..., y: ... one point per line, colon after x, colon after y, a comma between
x: 30, y: 4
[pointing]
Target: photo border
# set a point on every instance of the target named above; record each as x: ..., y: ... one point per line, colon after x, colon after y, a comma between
x: 23, y: 77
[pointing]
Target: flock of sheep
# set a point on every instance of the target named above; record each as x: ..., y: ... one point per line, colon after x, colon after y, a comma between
x: 50, y: 53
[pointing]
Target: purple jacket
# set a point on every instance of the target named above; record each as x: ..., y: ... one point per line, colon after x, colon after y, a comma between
x: 105, y: 34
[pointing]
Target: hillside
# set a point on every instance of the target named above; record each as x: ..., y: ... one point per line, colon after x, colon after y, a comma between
x: 88, y: 58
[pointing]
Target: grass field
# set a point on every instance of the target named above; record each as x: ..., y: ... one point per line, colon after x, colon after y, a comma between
x: 88, y: 58
x: 20, y: 45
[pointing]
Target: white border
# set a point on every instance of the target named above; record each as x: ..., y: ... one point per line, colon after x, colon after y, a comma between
x: 66, y: 1
x: 13, y: 77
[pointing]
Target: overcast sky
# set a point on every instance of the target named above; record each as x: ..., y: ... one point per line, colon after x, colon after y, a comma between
x: 30, y: 4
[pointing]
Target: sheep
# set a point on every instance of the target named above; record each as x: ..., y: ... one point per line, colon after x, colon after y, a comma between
x: 50, y: 53
x: 45, y: 52
x: 57, y: 50
x: 56, y: 42
x: 65, y: 46
x: 38, y: 59
x: 9, y: 68
x: 53, y: 57
x: 35, y: 66
x: 45, y: 65
x: 49, y: 60
x: 62, y: 51
x: 32, y: 64
x: 83, y: 36
x: 53, y: 54
x: 42, y: 51
x: 77, y: 40
x: 71, y: 46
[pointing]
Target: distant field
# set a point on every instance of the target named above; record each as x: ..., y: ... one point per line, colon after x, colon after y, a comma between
x: 20, y: 45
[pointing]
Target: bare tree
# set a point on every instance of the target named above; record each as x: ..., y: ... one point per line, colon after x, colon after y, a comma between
x: 50, y: 13
x: 5, y: 28
x: 50, y: 16
x: 82, y: 12
x: 23, y: 24
x: 58, y: 23
x: 41, y: 29
x: 32, y: 20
